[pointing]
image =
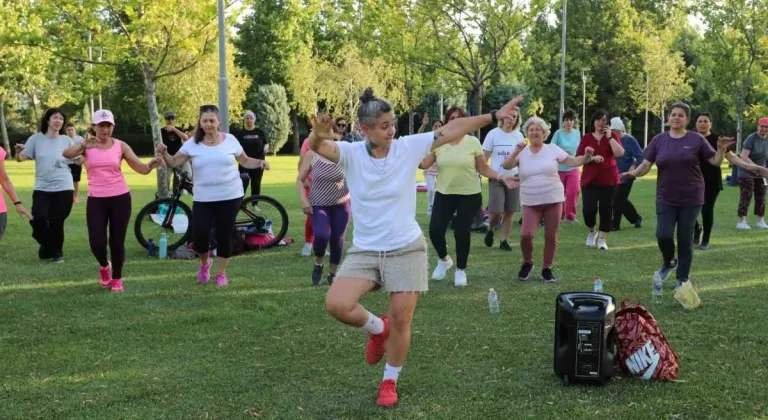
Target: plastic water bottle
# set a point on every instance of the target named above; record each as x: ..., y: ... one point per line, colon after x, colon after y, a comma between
x: 493, y: 301
x: 163, y: 249
x: 151, y: 249
x: 598, y: 287
x: 658, y: 287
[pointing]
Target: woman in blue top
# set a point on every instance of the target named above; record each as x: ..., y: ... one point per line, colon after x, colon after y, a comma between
x: 568, y: 139
x: 633, y: 155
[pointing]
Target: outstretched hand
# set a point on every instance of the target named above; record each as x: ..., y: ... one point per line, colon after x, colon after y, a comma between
x: 90, y: 141
x: 322, y: 125
x: 723, y: 143
x: 507, y: 109
x: 628, y: 175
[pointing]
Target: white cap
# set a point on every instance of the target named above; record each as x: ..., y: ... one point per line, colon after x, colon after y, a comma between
x: 103, y: 115
x: 617, y: 124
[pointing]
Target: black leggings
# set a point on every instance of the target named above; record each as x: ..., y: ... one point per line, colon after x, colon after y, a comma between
x: 254, y: 178
x: 667, y: 218
x: 113, y: 214
x: 708, y: 213
x: 465, y: 207
x: 219, y: 215
x: 49, y: 211
x: 594, y: 198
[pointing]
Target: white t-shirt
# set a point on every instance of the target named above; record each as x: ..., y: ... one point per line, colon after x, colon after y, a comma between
x: 501, y: 144
x: 384, y: 192
x: 215, y: 167
x: 539, y: 180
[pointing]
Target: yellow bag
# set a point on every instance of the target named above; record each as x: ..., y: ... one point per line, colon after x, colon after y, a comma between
x: 687, y: 296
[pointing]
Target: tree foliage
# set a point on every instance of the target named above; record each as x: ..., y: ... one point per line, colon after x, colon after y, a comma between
x: 272, y: 114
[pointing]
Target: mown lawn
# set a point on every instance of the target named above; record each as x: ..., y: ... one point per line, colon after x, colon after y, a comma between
x: 264, y: 347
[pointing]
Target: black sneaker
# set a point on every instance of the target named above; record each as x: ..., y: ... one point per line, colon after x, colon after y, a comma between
x: 504, y: 246
x: 547, y: 276
x: 704, y: 246
x: 489, y: 238
x: 639, y: 222
x: 58, y: 258
x: 331, y: 276
x: 525, y: 271
x: 317, y: 274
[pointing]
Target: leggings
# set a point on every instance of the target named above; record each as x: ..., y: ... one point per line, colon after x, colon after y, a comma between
x: 49, y: 211
x: 254, y: 178
x: 551, y: 213
x: 3, y: 223
x: 330, y: 225
x: 708, y: 213
x: 748, y: 187
x: 219, y: 215
x: 666, y: 219
x: 622, y: 206
x: 465, y: 207
x: 594, y: 198
x: 308, y: 235
x: 107, y: 219
x: 570, y: 180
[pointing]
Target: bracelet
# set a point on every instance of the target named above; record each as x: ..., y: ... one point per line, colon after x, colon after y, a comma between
x: 494, y: 120
x: 16, y: 203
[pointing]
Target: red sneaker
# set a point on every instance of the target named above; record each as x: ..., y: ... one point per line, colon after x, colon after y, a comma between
x: 375, y: 348
x: 105, y: 276
x: 387, y: 394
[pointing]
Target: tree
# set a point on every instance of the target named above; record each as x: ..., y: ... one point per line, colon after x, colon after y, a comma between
x: 273, y: 114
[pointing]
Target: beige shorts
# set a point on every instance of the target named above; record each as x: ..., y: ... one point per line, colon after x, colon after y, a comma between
x: 401, y: 270
x: 502, y: 199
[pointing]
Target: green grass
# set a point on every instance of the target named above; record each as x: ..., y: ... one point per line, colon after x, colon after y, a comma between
x: 264, y: 347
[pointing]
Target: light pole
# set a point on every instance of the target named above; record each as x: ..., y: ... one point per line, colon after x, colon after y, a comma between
x: 223, y: 85
x: 562, y: 63
x: 647, y: 100
x: 583, y: 97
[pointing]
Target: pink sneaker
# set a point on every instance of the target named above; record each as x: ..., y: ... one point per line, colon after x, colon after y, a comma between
x: 117, y: 285
x: 205, y: 273
x: 105, y: 275
x: 221, y: 280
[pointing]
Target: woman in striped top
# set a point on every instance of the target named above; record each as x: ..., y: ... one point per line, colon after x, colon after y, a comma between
x: 328, y: 206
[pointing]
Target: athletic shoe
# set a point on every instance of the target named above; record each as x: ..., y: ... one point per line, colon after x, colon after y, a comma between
x: 204, y: 274
x: 591, y: 239
x: 331, y: 277
x: 664, y: 271
x: 525, y: 271
x: 117, y: 285
x: 221, y: 280
x: 639, y: 223
x: 704, y: 247
x: 460, y: 278
x: 743, y: 226
x: 761, y: 224
x: 679, y: 284
x: 547, y: 276
x: 375, y: 348
x: 489, y: 238
x: 387, y: 394
x: 441, y: 269
x: 105, y: 275
x: 601, y: 244
x: 58, y: 258
x: 306, y: 250
x: 317, y: 274
x: 504, y: 246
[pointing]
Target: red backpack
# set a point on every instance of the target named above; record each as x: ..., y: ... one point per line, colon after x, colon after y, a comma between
x: 644, y: 352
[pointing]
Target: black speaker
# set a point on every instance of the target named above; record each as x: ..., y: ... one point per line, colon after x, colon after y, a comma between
x: 585, y: 342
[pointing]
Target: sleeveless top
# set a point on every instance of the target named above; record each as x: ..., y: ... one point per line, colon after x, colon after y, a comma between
x: 103, y: 168
x: 328, y: 185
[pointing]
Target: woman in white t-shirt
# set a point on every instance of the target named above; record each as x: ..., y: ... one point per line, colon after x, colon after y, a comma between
x: 389, y: 250
x: 541, y: 192
x: 217, y: 190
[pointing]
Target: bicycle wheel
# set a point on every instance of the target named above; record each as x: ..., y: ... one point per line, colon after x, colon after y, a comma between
x: 264, y: 219
x: 167, y: 215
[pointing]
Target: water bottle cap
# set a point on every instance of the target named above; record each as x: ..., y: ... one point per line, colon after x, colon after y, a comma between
x: 491, y: 290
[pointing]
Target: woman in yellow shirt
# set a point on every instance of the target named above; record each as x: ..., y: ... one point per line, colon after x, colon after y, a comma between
x: 458, y: 192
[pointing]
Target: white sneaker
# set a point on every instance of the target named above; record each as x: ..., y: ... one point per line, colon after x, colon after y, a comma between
x: 601, y: 244
x: 591, y: 238
x: 761, y: 224
x: 306, y: 250
x: 442, y: 268
x: 460, y: 278
x: 743, y: 226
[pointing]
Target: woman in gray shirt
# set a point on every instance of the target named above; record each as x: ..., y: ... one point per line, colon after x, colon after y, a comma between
x: 52, y: 197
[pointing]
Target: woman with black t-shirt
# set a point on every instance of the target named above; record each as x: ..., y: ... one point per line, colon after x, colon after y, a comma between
x: 255, y: 145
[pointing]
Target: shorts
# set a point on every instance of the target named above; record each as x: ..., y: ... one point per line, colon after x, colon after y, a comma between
x: 77, y: 172
x: 502, y: 199
x: 3, y: 223
x: 401, y: 270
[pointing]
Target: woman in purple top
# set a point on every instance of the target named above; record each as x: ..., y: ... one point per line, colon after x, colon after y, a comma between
x: 679, y: 188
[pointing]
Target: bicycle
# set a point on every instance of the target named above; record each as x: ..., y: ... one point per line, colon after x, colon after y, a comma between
x: 173, y: 216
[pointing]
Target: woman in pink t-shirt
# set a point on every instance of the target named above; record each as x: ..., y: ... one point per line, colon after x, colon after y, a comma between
x: 541, y: 192
x: 109, y: 199
x: 5, y: 182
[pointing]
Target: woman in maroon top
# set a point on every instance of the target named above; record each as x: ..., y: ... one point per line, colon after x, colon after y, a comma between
x: 599, y: 178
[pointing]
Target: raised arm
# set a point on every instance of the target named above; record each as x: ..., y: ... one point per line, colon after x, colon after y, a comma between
x: 616, y: 147
x: 75, y: 150
x: 172, y: 161
x: 641, y: 170
x: 723, y: 143
x: 580, y: 160
x: 136, y: 164
x: 251, y: 163
x: 321, y: 130
x: 460, y: 127
x: 424, y: 124
x: 511, y: 160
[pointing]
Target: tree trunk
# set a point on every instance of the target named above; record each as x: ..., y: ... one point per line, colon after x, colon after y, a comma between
x: 4, y: 129
x: 739, y: 127
x: 295, y: 131
x: 477, y: 103
x: 150, y: 89
x: 410, y: 121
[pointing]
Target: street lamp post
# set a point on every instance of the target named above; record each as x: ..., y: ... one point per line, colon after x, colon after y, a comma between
x: 583, y: 98
x: 562, y: 63
x: 223, y: 84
